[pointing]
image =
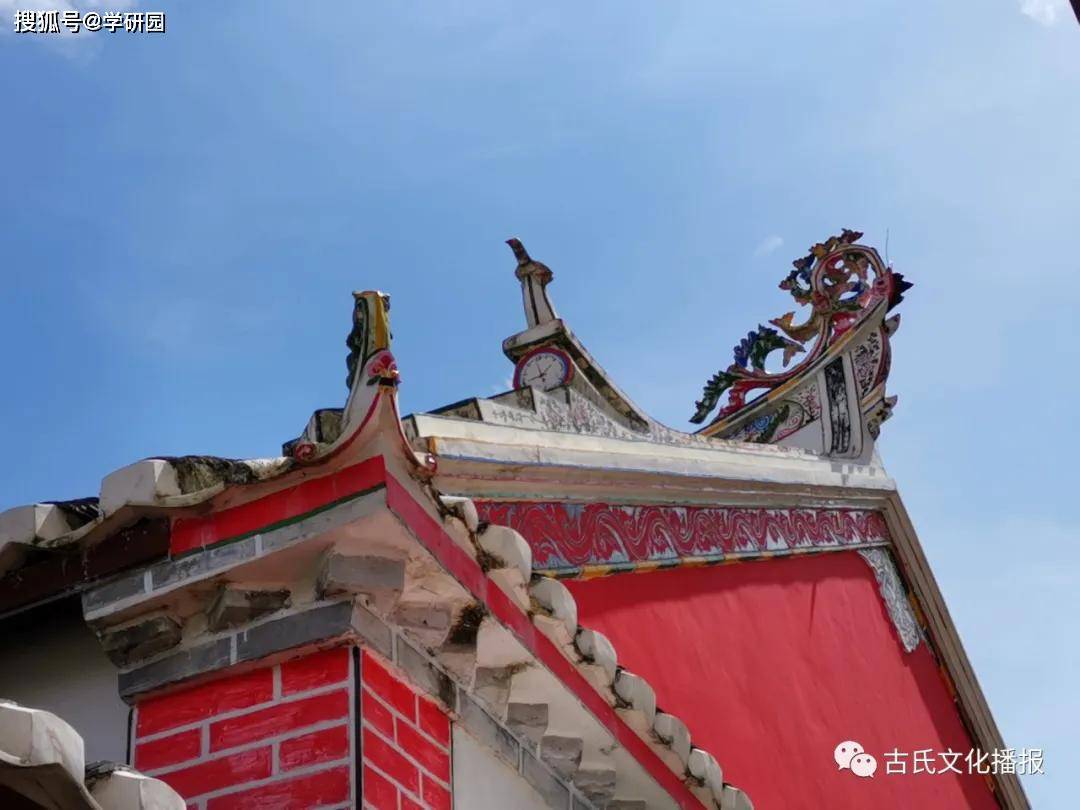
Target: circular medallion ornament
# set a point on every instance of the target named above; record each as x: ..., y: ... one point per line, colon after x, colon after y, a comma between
x: 545, y: 368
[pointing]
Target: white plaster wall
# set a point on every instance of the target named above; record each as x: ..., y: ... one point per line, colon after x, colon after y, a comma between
x: 482, y: 781
x: 49, y: 659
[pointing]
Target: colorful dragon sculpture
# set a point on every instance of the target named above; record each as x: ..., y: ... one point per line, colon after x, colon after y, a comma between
x: 843, y: 283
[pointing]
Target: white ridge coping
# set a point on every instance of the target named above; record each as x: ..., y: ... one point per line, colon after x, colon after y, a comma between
x: 42, y: 758
x: 127, y: 789
x: 31, y: 738
x: 461, y: 440
x: 35, y: 522
x: 144, y: 483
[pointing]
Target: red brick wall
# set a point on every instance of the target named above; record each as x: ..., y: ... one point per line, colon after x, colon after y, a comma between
x: 282, y: 738
x: 405, y: 743
x: 277, y: 738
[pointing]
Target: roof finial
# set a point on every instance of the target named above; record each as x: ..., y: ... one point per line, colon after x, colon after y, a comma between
x: 843, y: 283
x: 370, y: 330
x: 534, y: 277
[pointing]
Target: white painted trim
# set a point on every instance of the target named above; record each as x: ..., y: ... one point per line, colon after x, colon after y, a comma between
x: 738, y: 460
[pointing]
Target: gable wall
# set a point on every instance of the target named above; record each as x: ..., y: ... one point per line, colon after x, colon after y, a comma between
x: 773, y: 663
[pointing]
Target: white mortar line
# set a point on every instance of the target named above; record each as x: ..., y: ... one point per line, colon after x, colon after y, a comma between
x: 398, y: 715
x: 523, y: 747
x: 276, y: 739
x: 206, y: 639
x: 273, y: 780
x: 414, y: 796
x: 320, y: 690
x: 395, y: 782
x: 397, y: 747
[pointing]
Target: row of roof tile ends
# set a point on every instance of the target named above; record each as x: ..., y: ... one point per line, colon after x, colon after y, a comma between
x: 42, y: 759
x: 592, y: 651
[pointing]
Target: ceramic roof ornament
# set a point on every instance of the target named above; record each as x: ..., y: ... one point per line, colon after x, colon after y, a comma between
x: 534, y: 277
x: 830, y: 401
x: 849, y: 290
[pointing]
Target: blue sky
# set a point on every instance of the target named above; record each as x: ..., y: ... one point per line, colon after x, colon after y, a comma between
x: 186, y: 214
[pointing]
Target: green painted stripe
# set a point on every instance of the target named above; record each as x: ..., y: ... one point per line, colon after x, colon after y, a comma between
x: 282, y: 523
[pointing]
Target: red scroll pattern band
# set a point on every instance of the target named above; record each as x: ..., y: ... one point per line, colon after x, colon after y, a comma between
x: 569, y: 536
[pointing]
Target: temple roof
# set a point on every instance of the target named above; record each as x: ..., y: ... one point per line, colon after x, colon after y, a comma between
x: 566, y: 430
x: 831, y: 402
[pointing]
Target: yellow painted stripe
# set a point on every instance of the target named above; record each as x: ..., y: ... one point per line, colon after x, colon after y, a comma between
x: 594, y: 571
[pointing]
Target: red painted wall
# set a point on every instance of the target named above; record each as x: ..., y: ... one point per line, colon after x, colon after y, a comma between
x: 774, y: 663
x: 406, y: 743
x: 277, y: 738
x: 286, y: 505
x: 282, y: 738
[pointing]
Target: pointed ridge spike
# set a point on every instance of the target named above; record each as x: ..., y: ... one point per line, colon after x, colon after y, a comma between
x: 520, y: 253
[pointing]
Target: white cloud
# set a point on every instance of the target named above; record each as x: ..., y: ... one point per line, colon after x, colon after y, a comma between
x: 768, y: 245
x: 1044, y: 12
